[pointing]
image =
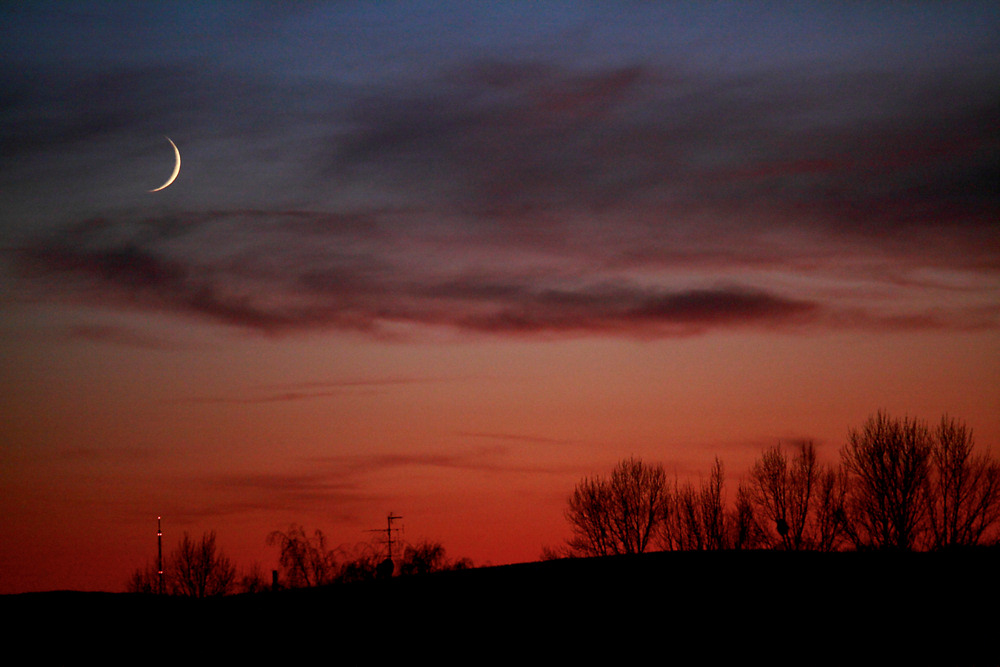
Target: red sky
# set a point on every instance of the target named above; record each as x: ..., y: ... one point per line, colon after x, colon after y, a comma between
x: 445, y: 262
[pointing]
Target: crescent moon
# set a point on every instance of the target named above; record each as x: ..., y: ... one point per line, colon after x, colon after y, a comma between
x: 177, y: 167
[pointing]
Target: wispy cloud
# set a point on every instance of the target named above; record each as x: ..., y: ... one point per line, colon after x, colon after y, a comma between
x: 281, y: 281
x: 516, y: 437
x: 301, y: 391
x: 336, y: 483
x: 527, y: 198
x: 120, y: 335
x: 290, y: 493
x: 480, y: 458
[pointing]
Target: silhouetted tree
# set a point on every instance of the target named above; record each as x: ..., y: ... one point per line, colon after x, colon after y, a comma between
x: 194, y: 569
x: 746, y: 531
x: 253, y: 580
x: 697, y: 519
x: 422, y: 558
x: 784, y: 492
x: 800, y: 502
x: 684, y: 527
x: 830, y: 520
x: 713, y: 509
x: 144, y: 579
x: 888, y: 461
x: 618, y: 514
x: 427, y: 557
x: 199, y: 569
x: 964, y: 502
x: 361, y: 565
x: 306, y: 561
x: 556, y: 553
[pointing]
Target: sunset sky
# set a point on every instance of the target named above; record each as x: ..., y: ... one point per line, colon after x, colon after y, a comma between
x: 446, y: 258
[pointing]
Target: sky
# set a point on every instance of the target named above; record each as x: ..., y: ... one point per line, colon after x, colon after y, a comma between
x: 445, y: 259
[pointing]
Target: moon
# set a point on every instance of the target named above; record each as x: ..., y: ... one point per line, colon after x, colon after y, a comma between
x: 177, y: 167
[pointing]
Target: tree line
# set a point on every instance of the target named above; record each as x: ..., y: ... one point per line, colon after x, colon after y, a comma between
x: 899, y: 485
x: 200, y: 569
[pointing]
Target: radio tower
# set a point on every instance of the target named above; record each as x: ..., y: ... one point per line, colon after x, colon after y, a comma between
x: 159, y: 557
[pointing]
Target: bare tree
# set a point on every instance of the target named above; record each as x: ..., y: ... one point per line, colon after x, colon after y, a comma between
x: 618, y: 514
x: 713, y: 509
x: 888, y: 461
x: 964, y: 503
x: 696, y: 518
x: 427, y: 557
x: 830, y: 520
x: 784, y: 493
x: 145, y: 579
x: 253, y: 580
x: 687, y: 532
x: 746, y: 530
x: 669, y: 531
x: 306, y: 560
x: 359, y: 563
x: 556, y: 553
x: 199, y: 569
x: 422, y: 558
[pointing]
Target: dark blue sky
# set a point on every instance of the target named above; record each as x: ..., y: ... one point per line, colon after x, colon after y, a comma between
x: 627, y: 136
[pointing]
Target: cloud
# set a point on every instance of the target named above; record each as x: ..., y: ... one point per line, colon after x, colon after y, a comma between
x: 535, y: 199
x: 301, y: 391
x: 292, y: 493
x: 491, y: 459
x: 516, y: 437
x: 276, y: 286
x: 120, y: 335
x: 336, y: 483
x: 869, y: 153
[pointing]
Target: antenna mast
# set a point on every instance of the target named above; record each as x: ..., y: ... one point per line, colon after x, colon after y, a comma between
x: 159, y: 557
x: 388, y: 531
x: 385, y: 568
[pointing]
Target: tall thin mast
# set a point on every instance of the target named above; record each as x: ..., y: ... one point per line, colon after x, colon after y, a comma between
x: 388, y: 530
x: 159, y: 557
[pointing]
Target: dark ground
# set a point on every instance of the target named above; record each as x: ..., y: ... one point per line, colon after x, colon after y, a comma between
x: 665, y: 608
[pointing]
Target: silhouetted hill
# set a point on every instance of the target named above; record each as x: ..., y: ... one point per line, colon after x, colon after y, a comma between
x: 678, y: 607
